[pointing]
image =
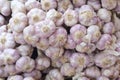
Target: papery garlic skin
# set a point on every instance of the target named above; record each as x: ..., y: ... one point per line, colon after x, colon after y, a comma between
x: 64, y: 70
x: 25, y: 64
x: 30, y: 4
x: 28, y: 78
x: 48, y: 4
x: 2, y: 20
x: 54, y: 74
x: 18, y: 77
x: 109, y: 4
x: 42, y: 63
x: 70, y: 17
x: 103, y: 78
x: 6, y: 40
x: 105, y: 60
x: 104, y: 15
x: 45, y: 28
x: 87, y: 15
x: 36, y: 15
x: 78, y: 3
x: 63, y: 5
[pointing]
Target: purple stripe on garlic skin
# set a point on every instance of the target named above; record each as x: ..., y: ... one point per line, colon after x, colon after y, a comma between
x: 104, y: 15
x: 30, y: 4
x: 92, y: 72
x: 42, y: 63
x: 25, y: 50
x: 79, y: 60
x: 18, y: 37
x: 55, y: 16
x: 18, y: 77
x: 18, y: 22
x: 87, y: 15
x: 78, y: 3
x: 45, y: 28
x: 10, y: 56
x: 102, y: 78
x: 109, y: 4
x: 95, y: 4
x: 95, y: 33
x: 109, y: 28
x: 48, y: 4
x: 105, y: 60
x: 42, y: 44
x: 54, y: 74
x: 59, y: 37
x: 54, y: 52
x: 35, y: 74
x: 70, y: 17
x: 77, y: 32
x: 25, y: 64
x: 16, y: 9
x: 30, y: 36
x: 36, y: 15
x: 63, y: 5
x: 2, y: 20
x: 70, y: 44
x: 67, y: 70
x: 28, y: 78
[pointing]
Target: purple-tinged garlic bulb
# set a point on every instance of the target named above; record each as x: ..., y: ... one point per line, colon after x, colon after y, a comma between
x: 54, y: 52
x: 45, y: 28
x: 11, y: 56
x: 85, y: 47
x: 87, y: 15
x: 5, y: 7
x: 16, y: 9
x: 55, y: 16
x: 116, y: 21
x: 35, y: 74
x: 93, y: 72
x: 19, y: 38
x: 54, y: 74
x: 70, y: 44
x: 3, y: 74
x: 70, y: 17
x: 42, y: 44
x: 2, y: 20
x: 117, y: 9
x: 77, y: 32
x: 95, y: 4
x: 104, y: 15
x: 3, y: 29
x: 111, y: 72
x: 94, y: 32
x: 18, y: 22
x: 42, y: 63
x: 15, y: 77
x: 10, y: 69
x: 67, y: 70
x: 25, y: 50
x: 59, y: 38
x: 6, y: 40
x: 102, y: 78
x: 78, y: 3
x: 48, y: 4
x: 105, y: 60
x: 79, y: 60
x: 106, y: 42
x: 117, y: 47
x: 25, y: 64
x: 109, y: 28
x: 109, y: 4
x: 29, y: 78
x: 36, y: 15
x: 63, y: 5
x: 30, y: 36
x: 117, y: 34
x: 30, y: 4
